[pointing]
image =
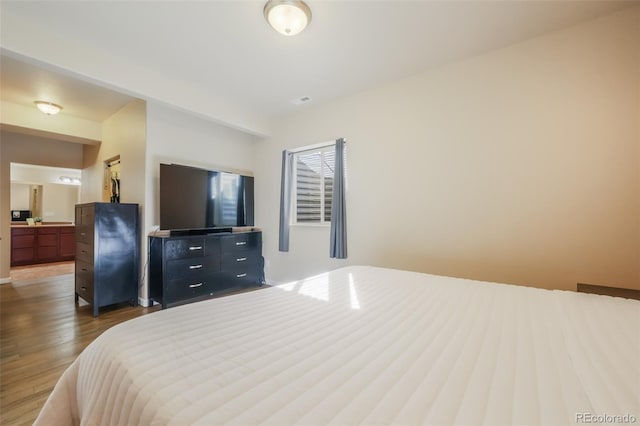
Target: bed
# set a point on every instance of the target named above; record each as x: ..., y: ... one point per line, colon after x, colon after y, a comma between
x: 362, y: 346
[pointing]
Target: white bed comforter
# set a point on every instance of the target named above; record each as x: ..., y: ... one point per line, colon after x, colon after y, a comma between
x: 361, y: 346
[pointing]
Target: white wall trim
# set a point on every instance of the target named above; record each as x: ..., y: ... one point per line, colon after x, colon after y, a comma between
x: 6, y: 280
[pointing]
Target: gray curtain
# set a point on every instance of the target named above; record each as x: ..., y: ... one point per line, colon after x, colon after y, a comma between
x: 285, y: 199
x: 338, y: 207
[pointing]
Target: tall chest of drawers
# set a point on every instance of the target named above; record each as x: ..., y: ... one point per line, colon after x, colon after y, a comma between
x: 107, y: 253
x: 185, y: 269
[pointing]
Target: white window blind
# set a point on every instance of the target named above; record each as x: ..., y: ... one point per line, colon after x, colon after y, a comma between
x: 313, y: 174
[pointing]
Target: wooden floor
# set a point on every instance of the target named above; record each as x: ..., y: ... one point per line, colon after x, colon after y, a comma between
x: 44, y: 270
x: 42, y: 331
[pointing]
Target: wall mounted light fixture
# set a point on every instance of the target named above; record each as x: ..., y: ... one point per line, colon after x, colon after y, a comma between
x: 70, y: 180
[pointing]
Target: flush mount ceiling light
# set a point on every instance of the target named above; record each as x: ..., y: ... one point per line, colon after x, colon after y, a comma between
x: 288, y: 17
x: 48, y: 108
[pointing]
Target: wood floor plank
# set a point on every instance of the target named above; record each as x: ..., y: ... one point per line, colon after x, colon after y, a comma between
x: 42, y: 330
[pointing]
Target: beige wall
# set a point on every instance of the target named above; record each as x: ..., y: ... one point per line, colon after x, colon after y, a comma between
x: 27, y: 149
x: 123, y: 135
x: 176, y: 137
x: 517, y: 166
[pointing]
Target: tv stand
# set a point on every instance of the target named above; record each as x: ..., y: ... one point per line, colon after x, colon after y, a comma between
x: 199, y: 231
x: 196, y: 266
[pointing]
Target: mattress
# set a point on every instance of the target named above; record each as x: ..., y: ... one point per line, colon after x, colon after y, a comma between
x: 363, y: 346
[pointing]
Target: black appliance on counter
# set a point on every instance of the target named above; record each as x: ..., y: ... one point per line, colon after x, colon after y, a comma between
x: 20, y: 215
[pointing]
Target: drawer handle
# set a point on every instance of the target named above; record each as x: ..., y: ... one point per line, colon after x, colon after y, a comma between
x: 83, y: 269
x: 241, y: 259
x: 195, y: 285
x: 195, y: 266
x: 192, y: 248
x: 241, y: 243
x: 241, y: 275
x: 83, y: 233
x: 83, y: 288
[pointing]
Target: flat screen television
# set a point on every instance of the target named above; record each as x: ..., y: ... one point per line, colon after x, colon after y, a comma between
x: 197, y: 199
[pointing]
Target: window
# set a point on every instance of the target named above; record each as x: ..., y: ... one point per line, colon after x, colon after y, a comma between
x: 313, y: 182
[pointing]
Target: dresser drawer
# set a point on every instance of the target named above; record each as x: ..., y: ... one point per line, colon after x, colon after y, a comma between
x: 47, y: 253
x: 67, y: 230
x: 85, y: 215
x: 24, y: 255
x: 240, y: 261
x: 239, y: 278
x: 84, y: 252
x: 67, y: 245
x: 190, y: 247
x: 43, y: 230
x: 85, y: 233
x: 192, y: 267
x: 23, y: 231
x: 84, y: 270
x: 20, y: 240
x: 85, y: 291
x: 240, y: 242
x: 84, y: 281
x: 181, y: 289
x: 47, y: 239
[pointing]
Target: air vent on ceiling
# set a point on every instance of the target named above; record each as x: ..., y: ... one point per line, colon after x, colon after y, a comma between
x: 301, y: 100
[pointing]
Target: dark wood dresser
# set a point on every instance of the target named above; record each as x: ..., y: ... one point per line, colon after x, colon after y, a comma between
x: 185, y: 269
x: 107, y: 253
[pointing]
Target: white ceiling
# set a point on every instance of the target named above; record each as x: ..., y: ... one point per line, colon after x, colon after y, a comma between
x: 226, y: 49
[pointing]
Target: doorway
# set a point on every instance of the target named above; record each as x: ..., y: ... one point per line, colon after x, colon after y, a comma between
x: 42, y: 204
x: 111, y: 185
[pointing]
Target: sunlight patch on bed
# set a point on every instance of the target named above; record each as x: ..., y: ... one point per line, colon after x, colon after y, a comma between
x: 353, y: 295
x: 290, y: 286
x: 316, y: 287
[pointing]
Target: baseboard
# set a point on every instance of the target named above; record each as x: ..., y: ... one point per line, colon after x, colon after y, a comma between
x: 5, y: 280
x: 144, y: 302
x: 272, y: 282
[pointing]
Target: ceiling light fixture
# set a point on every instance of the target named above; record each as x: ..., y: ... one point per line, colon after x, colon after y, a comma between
x: 48, y: 108
x: 70, y: 180
x: 288, y: 17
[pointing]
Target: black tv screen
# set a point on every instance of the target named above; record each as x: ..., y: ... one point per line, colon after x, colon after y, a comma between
x: 194, y: 198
